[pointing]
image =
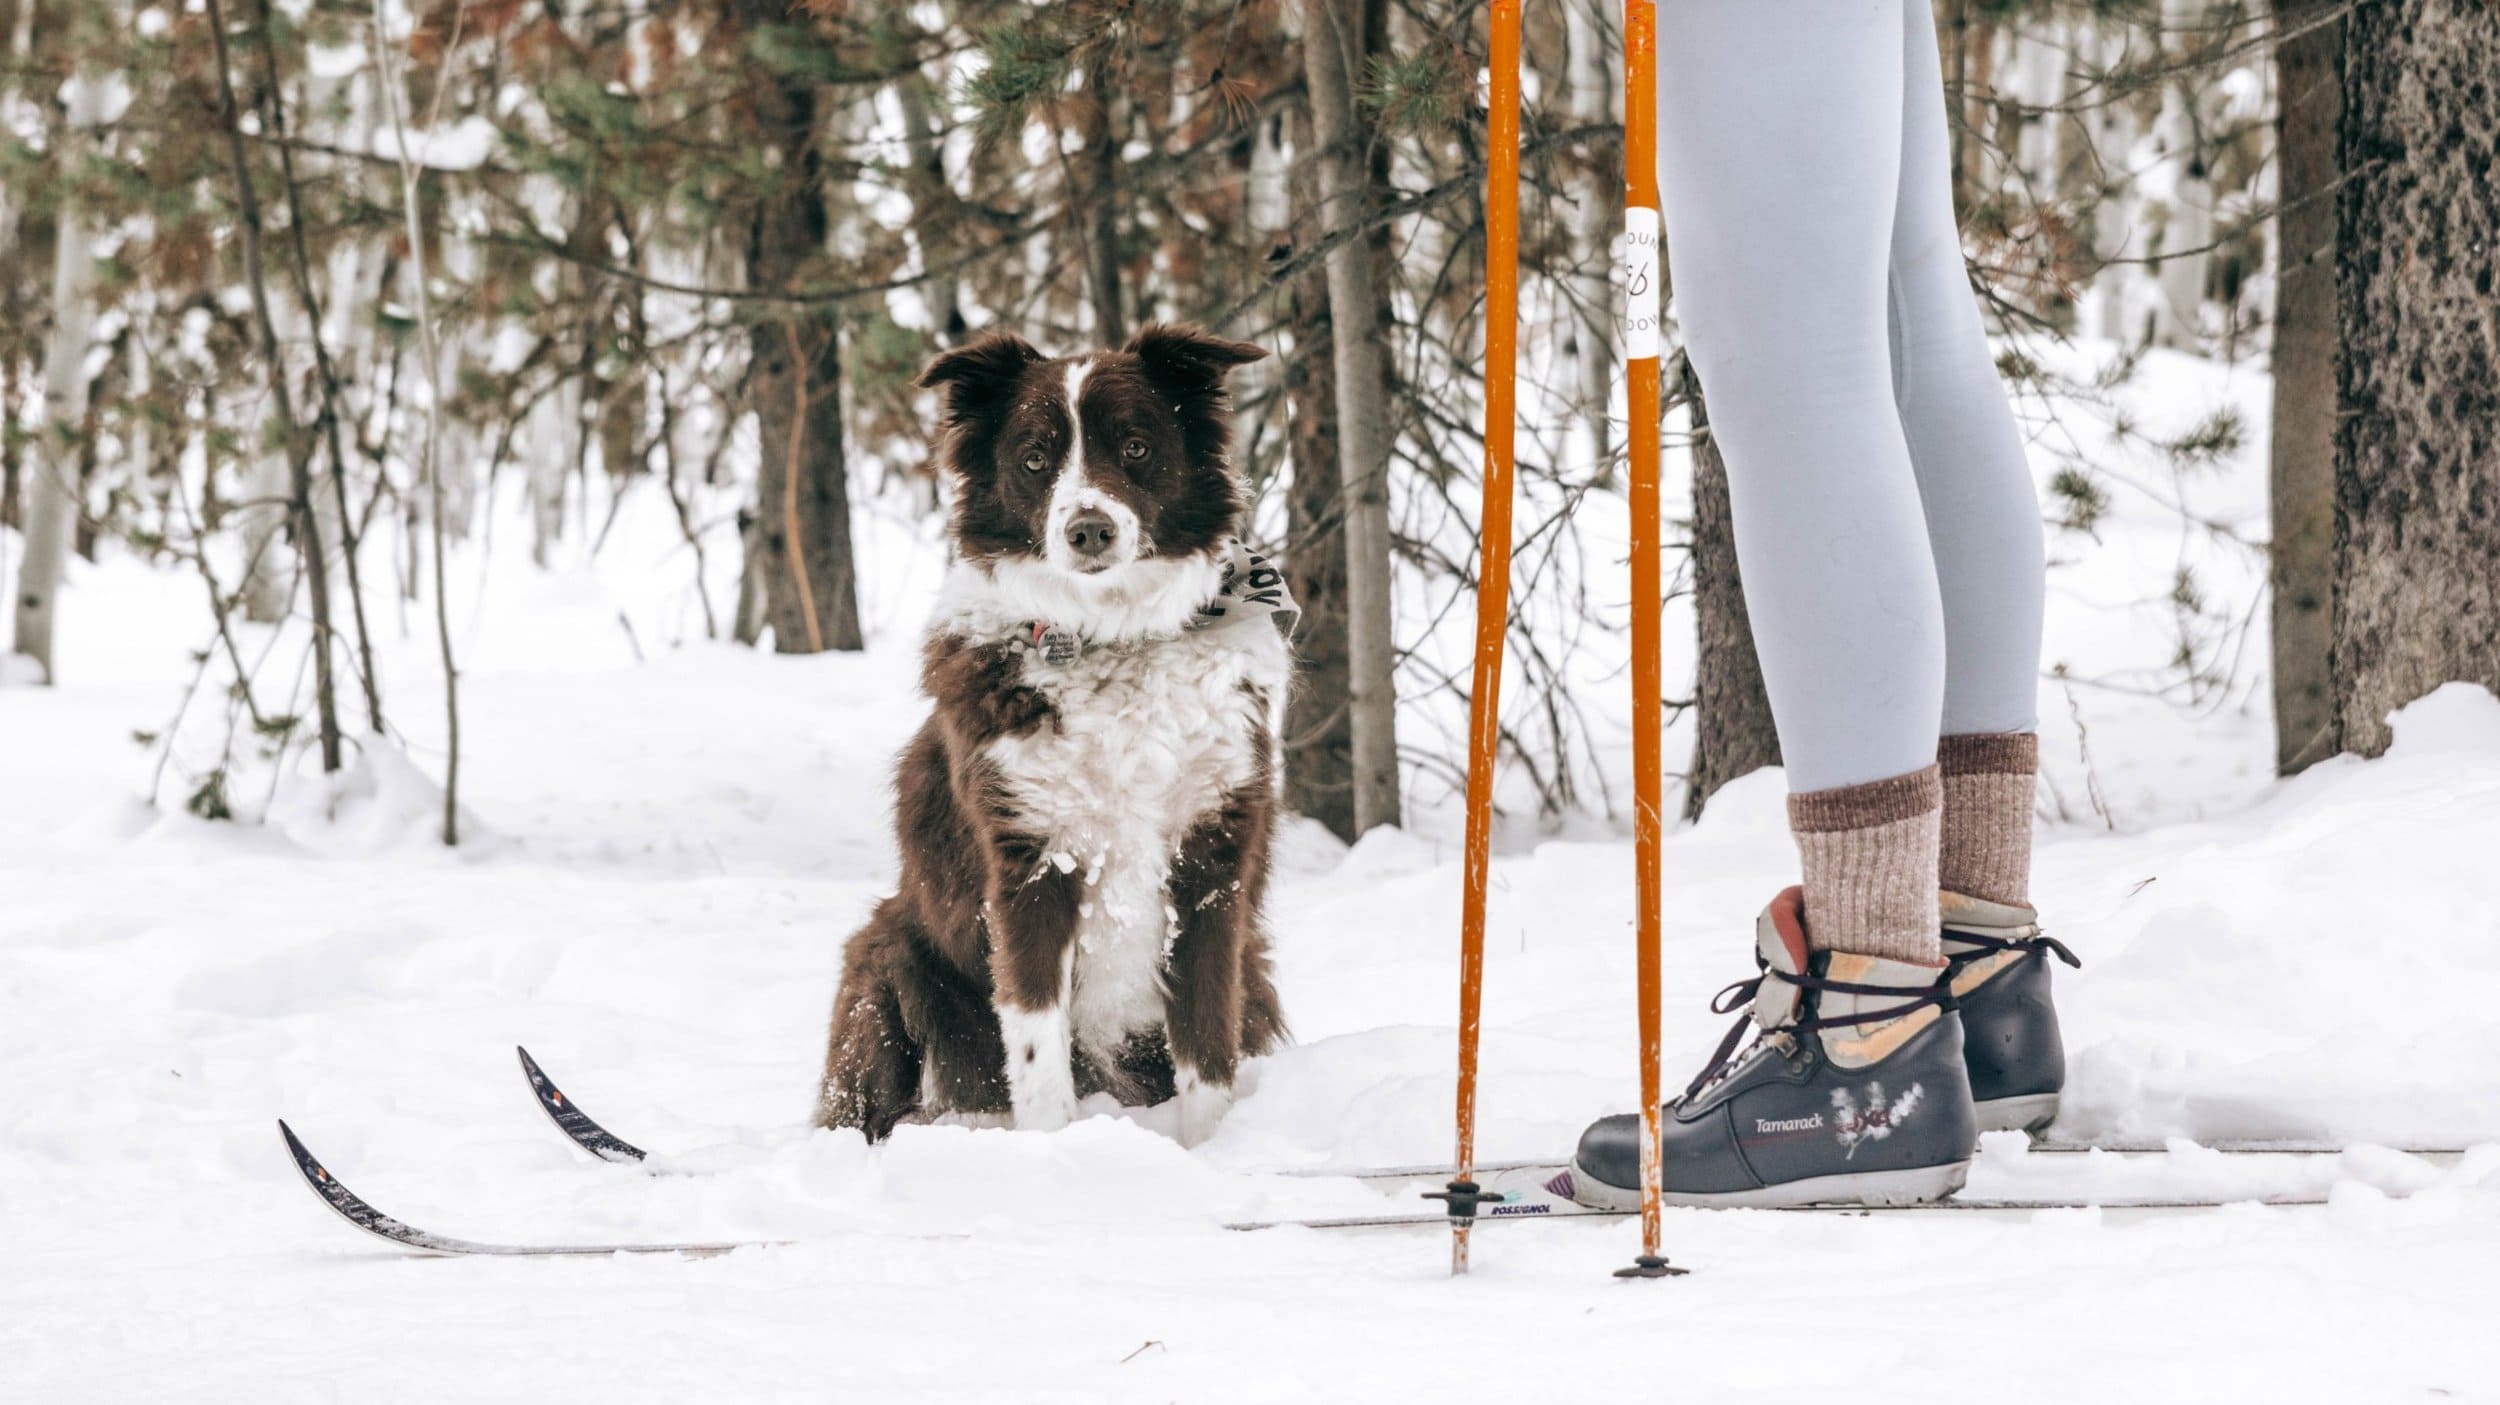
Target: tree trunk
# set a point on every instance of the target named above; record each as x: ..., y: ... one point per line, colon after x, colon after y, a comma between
x: 1102, y: 211
x: 12, y: 313
x: 265, y: 552
x: 1319, y: 731
x: 803, y: 506
x: 1592, y: 90
x: 14, y: 343
x: 932, y: 200
x: 1979, y: 105
x: 2301, y: 473
x: 1338, y: 39
x: 53, y: 497
x: 2417, y: 463
x: 555, y: 430
x: 2117, y: 211
x: 1733, y: 734
x: 2040, y: 67
x: 1957, y: 93
x: 747, y: 625
x: 297, y: 436
x: 2188, y: 227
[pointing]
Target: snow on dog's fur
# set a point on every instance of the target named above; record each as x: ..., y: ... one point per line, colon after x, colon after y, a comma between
x: 1085, y: 817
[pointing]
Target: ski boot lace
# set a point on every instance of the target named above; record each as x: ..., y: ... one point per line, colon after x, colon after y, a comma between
x: 1983, y: 946
x: 1728, y: 1058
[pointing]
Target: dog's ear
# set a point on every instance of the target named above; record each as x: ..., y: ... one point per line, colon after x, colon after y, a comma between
x: 978, y: 372
x: 1189, y: 357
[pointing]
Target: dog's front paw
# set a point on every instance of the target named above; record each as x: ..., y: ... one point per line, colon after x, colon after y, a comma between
x: 1202, y: 1106
x: 1041, y: 1079
x: 1045, y: 1109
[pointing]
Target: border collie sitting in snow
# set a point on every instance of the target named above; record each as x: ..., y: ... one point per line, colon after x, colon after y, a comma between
x: 1085, y: 817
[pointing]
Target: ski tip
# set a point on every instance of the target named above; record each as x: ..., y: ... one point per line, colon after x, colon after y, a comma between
x: 572, y: 1121
x: 317, y: 1176
x: 306, y: 1164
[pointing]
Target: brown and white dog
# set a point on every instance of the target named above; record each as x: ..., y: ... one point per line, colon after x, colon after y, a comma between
x: 1085, y: 817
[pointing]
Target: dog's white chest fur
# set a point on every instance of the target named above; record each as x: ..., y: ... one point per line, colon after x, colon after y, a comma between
x: 1150, y: 738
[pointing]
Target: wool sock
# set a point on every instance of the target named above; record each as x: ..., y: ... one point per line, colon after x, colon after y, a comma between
x: 1985, y: 850
x: 1869, y: 853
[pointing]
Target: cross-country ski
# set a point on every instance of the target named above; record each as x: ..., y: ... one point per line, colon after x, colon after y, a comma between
x: 1248, y: 701
x: 352, y: 1208
x: 1529, y: 1191
x: 1517, y: 1191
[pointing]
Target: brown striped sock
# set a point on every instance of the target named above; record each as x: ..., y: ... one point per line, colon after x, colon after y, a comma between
x: 1870, y: 866
x: 1986, y: 845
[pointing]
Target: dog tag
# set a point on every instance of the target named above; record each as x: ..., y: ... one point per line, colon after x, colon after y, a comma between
x: 1057, y: 646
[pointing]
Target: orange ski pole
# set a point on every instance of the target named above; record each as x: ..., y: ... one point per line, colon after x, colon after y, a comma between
x: 1640, y: 353
x: 1501, y: 336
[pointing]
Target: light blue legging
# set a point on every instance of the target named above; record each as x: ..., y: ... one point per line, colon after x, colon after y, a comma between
x: 1886, y: 524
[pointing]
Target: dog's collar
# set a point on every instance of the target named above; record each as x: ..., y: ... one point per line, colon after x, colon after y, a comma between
x: 1252, y: 589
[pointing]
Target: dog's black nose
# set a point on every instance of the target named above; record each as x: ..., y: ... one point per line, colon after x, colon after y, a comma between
x: 1091, y: 534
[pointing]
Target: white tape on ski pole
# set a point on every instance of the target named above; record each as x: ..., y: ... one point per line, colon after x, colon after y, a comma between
x: 1640, y: 284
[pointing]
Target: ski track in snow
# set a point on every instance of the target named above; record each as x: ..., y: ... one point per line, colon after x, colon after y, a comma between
x: 669, y: 854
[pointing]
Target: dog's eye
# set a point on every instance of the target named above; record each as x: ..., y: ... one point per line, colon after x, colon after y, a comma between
x: 1134, y: 450
x: 1034, y: 462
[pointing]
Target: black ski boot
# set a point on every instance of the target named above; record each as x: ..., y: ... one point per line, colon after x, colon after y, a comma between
x: 1997, y: 965
x: 1853, y: 1093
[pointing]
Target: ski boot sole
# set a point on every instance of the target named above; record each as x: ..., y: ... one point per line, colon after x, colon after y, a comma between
x: 2032, y: 1113
x: 1917, y: 1185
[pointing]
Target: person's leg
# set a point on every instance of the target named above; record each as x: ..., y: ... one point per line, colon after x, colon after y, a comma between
x: 1983, y: 516
x: 1983, y: 519
x: 1779, y: 151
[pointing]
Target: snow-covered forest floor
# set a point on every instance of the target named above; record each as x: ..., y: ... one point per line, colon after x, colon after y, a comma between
x: 672, y: 840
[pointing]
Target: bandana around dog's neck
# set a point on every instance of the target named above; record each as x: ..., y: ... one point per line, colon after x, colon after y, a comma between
x: 1253, y: 589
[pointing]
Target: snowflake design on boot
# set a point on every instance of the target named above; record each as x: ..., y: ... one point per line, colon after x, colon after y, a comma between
x: 1851, y: 1126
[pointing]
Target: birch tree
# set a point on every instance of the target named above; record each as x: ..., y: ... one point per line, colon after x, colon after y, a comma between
x: 1592, y: 90
x: 2188, y: 206
x: 53, y: 497
x: 14, y: 60
x: 1337, y: 38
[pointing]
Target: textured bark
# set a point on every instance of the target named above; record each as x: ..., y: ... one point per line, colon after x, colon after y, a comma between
x: 809, y: 442
x: 795, y: 386
x: 1339, y: 37
x: 2417, y: 471
x: 1319, y: 731
x: 1102, y: 211
x: 1733, y: 734
x: 2301, y: 475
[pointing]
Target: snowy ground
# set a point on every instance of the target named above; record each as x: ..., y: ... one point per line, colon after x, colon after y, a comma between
x: 671, y: 850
